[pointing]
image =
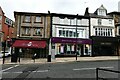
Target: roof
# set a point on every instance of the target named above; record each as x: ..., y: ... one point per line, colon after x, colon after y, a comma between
x: 69, y: 15
x: 1, y: 10
x: 102, y: 7
x: 28, y: 13
x: 99, y: 16
x: 114, y: 12
x: 52, y: 14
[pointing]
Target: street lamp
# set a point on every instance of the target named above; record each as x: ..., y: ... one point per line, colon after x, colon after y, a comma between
x: 76, y: 37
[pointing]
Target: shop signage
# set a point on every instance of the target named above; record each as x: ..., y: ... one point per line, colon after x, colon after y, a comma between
x: 70, y: 40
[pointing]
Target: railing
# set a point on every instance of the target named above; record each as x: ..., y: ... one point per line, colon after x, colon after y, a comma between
x: 100, y: 78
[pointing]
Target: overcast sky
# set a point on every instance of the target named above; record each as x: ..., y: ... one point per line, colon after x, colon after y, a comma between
x: 55, y: 6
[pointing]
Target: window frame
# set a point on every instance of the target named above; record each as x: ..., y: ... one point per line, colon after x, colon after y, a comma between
x: 99, y: 21
x: 34, y: 31
x: 24, y: 19
x: 36, y: 21
x: 26, y: 32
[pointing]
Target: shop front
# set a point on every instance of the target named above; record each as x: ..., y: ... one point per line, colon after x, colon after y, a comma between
x: 27, y: 48
x: 70, y: 46
x: 105, y: 46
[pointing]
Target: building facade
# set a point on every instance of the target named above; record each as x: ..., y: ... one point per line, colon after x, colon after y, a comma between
x: 102, y: 32
x: 1, y: 24
x: 116, y: 16
x: 6, y: 31
x: 70, y: 35
x: 32, y: 34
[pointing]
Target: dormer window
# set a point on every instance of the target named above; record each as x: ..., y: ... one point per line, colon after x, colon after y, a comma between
x: 101, y: 11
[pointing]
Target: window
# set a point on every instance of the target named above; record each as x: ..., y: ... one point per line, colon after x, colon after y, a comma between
x: 67, y: 33
x: 99, y: 21
x: 27, y: 19
x: 37, y: 31
x: 38, y: 19
x: 60, y: 32
x: 0, y: 17
x: 0, y: 26
x: 103, y: 32
x: 70, y: 32
x: 62, y: 21
x: 110, y: 21
x: 96, y: 31
x: 26, y: 31
x: 102, y: 12
x: 72, y: 22
x: 63, y: 32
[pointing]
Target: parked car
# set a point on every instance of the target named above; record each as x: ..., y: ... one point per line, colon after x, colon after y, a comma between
x: 7, y: 53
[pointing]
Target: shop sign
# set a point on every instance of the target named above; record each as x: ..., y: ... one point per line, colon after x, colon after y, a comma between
x: 70, y: 40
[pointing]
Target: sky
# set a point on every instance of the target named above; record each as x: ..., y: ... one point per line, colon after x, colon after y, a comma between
x: 56, y: 6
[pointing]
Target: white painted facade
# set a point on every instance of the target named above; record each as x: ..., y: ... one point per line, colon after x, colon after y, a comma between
x: 102, y: 24
x: 67, y: 28
x: 106, y: 26
x: 70, y: 25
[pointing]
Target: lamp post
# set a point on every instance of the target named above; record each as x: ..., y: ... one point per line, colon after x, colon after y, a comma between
x: 76, y: 37
x: 4, y: 45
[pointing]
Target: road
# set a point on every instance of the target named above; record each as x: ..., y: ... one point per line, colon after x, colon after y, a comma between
x: 84, y: 69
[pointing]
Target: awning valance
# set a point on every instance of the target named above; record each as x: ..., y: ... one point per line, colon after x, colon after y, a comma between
x: 29, y: 44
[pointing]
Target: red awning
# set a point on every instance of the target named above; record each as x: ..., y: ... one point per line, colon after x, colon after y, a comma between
x: 29, y: 44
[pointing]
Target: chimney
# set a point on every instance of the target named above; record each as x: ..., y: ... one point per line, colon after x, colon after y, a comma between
x: 87, y: 12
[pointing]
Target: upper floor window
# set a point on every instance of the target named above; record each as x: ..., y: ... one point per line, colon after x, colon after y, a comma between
x: 37, y: 31
x: 99, y: 21
x: 68, y: 33
x: 103, y: 32
x: 0, y: 26
x: 110, y: 21
x: 26, y: 31
x: 27, y: 19
x: 102, y: 12
x: 38, y: 19
x: 0, y: 17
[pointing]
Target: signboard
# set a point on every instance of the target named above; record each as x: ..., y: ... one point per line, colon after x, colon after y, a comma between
x: 8, y: 21
x: 71, y: 40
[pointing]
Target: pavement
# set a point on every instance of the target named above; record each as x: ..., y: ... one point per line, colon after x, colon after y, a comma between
x: 59, y: 60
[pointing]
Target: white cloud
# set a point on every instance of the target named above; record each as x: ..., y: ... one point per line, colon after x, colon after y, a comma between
x: 56, y: 6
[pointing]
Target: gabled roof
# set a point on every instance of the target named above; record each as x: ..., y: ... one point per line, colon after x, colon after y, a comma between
x: 94, y: 15
x: 100, y: 8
